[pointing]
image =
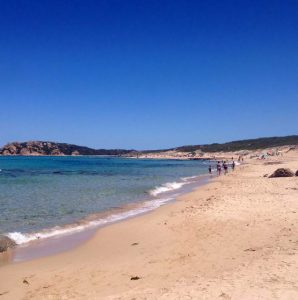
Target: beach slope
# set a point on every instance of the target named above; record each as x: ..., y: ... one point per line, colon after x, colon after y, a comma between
x: 234, y: 238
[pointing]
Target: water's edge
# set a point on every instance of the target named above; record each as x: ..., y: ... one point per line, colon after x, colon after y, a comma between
x: 72, y: 237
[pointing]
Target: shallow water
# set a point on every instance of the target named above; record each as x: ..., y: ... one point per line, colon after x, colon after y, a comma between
x: 40, y: 193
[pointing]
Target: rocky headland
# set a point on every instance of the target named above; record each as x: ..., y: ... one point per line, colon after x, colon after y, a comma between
x: 37, y: 148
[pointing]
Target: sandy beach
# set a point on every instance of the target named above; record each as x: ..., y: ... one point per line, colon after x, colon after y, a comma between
x: 234, y: 238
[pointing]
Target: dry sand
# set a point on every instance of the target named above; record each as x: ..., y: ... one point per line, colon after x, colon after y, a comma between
x: 235, y: 238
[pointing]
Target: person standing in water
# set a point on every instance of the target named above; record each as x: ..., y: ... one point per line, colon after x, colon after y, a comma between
x: 210, y: 170
x: 233, y: 165
x: 218, y: 167
x: 225, y: 166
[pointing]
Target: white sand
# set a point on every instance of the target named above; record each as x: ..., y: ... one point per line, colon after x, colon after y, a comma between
x: 235, y: 238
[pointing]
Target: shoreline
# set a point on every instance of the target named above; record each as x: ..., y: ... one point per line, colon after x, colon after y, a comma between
x: 233, y: 238
x: 79, y: 232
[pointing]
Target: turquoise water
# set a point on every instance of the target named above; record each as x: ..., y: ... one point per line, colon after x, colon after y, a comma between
x: 41, y: 193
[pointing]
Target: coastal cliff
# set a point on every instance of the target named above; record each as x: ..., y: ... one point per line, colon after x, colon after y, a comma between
x: 37, y: 148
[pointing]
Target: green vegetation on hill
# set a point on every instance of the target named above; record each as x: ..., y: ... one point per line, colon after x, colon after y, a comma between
x: 251, y: 144
x: 52, y: 148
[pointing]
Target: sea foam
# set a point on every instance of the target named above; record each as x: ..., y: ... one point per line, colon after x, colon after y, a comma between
x: 170, y: 186
x: 22, y: 238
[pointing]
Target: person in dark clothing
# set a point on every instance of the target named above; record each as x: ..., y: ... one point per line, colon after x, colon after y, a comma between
x: 218, y: 167
x: 233, y: 165
x: 225, y: 166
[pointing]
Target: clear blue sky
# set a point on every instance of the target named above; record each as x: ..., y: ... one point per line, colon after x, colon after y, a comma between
x: 147, y: 74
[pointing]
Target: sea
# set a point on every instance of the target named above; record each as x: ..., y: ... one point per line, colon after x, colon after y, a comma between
x: 46, y: 196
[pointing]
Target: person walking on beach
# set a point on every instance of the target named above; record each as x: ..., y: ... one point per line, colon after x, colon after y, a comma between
x: 233, y: 165
x: 225, y: 166
x: 218, y: 167
x: 210, y: 170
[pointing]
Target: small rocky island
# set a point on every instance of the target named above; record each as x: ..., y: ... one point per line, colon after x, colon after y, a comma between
x: 37, y: 148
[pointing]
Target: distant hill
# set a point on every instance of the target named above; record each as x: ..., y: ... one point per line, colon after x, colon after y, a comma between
x: 251, y: 144
x: 52, y: 148
x: 35, y: 148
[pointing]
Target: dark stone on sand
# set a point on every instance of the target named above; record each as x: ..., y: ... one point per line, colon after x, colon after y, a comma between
x: 296, y: 174
x: 25, y: 281
x: 135, y: 278
x: 250, y: 249
x: 282, y: 172
x: 5, y: 243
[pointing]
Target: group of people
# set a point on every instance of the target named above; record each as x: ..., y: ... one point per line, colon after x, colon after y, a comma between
x: 222, y: 166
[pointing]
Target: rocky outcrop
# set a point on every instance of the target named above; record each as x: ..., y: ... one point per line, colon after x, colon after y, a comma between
x: 28, y: 148
x: 75, y: 152
x: 281, y: 172
x: 35, y: 148
x: 5, y: 243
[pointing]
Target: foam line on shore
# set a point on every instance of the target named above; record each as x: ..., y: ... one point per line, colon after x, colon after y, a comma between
x: 167, y: 187
x: 171, y: 186
x: 169, y: 190
x: 22, y: 238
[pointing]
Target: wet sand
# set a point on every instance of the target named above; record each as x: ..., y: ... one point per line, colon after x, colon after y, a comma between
x: 234, y: 238
x: 81, y: 231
